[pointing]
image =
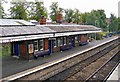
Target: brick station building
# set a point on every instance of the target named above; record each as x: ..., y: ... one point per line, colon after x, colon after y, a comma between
x: 26, y: 40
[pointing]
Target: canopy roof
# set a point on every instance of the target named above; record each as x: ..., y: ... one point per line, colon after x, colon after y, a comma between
x: 17, y: 31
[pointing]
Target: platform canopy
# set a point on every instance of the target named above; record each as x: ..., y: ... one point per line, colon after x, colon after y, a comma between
x: 15, y: 22
x: 11, y: 30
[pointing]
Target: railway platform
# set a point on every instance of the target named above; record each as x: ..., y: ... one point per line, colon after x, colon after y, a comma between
x: 115, y: 76
x: 12, y: 66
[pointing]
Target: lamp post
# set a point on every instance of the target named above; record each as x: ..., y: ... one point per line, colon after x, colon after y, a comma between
x: 108, y: 28
x: 96, y: 26
x: 108, y: 25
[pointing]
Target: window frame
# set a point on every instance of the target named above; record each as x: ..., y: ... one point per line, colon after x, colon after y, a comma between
x: 55, y: 44
x: 64, y: 40
x: 61, y: 41
x: 36, y: 45
x: 58, y: 41
x: 41, y: 40
x: 69, y: 40
x: 76, y: 39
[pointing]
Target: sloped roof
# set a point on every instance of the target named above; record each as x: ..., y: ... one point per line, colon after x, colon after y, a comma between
x: 10, y: 30
x: 64, y: 28
x: 28, y: 30
x: 24, y: 30
x: 14, y: 22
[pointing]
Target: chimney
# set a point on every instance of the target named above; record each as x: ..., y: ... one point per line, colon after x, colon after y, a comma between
x: 59, y: 18
x: 42, y: 20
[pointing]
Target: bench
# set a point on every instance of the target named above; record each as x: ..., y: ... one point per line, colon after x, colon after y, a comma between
x: 65, y: 47
x: 41, y: 53
x: 83, y: 43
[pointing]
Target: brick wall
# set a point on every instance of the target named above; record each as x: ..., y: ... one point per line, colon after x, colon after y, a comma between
x: 46, y: 44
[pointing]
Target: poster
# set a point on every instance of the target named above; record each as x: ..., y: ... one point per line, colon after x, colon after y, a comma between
x: 30, y: 48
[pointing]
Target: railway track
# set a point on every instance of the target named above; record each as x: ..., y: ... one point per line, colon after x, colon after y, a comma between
x: 73, y: 72
x: 102, y: 73
x: 97, y: 70
x: 70, y: 66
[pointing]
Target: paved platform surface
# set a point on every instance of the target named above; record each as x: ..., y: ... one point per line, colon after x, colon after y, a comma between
x: 12, y: 66
x: 115, y: 76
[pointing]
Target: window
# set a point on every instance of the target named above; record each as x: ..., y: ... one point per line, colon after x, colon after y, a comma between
x: 55, y: 42
x: 69, y: 39
x: 60, y: 41
x: 41, y: 44
x: 36, y: 45
x: 64, y: 40
x: 76, y: 39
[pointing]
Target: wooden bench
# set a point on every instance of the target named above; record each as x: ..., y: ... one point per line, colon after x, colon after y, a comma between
x: 41, y: 53
x: 83, y: 43
x: 65, y: 47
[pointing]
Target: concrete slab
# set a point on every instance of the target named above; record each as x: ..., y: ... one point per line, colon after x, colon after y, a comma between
x: 12, y: 66
x: 115, y: 76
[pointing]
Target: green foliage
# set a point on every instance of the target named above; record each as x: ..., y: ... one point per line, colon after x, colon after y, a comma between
x: 97, y: 18
x: 76, y: 16
x: 83, y: 17
x: 31, y: 11
x: 69, y: 15
x: 27, y: 10
x: 5, y: 50
x: 18, y: 10
x: 2, y: 13
x: 54, y: 10
x: 72, y: 16
x: 37, y: 10
x: 114, y: 22
x: 100, y: 35
x: 118, y: 25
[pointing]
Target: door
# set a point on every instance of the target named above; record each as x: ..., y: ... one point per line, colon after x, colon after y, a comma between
x: 73, y: 41
x: 23, y: 50
x: 16, y: 49
x: 50, y: 46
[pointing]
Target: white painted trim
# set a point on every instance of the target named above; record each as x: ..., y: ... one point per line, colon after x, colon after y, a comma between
x: 19, y: 38
x: 74, y: 33
x: 30, y: 37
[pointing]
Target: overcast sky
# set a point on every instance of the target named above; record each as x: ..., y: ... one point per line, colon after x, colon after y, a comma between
x: 110, y: 6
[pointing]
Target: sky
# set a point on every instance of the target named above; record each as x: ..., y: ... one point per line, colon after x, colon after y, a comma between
x: 110, y: 6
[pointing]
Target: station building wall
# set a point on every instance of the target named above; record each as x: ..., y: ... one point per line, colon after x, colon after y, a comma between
x: 26, y: 49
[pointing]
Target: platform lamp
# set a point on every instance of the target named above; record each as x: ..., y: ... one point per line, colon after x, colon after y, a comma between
x: 96, y: 22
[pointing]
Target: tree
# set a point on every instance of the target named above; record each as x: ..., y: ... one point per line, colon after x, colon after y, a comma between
x: 114, y: 22
x: 36, y: 10
x: 83, y: 17
x: 54, y: 10
x: 40, y: 10
x: 2, y: 13
x: 69, y: 15
x: 97, y: 18
x: 18, y: 10
x: 118, y: 24
x: 76, y: 16
x: 31, y: 11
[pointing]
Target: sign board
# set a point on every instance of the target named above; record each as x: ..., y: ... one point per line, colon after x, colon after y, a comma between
x: 30, y: 48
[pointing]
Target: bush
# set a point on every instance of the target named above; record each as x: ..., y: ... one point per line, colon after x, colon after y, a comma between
x: 5, y: 50
x: 100, y: 35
